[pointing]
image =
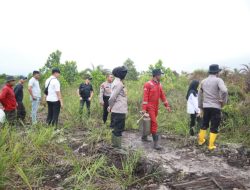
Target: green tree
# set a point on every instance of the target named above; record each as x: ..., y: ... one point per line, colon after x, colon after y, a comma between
x: 132, y: 72
x: 69, y: 71
x: 169, y: 77
x: 157, y: 65
x: 53, y: 59
x: 52, y: 62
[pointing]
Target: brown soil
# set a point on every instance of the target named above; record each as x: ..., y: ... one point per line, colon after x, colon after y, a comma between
x: 181, y: 161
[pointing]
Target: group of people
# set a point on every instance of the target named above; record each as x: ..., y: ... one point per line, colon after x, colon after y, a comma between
x: 205, y: 100
x: 204, y: 103
x: 11, y: 98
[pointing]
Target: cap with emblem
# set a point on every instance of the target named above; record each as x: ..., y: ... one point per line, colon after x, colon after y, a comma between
x: 157, y: 72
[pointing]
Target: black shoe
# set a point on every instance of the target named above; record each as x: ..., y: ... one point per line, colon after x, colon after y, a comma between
x: 145, y: 139
x: 191, y: 131
x: 156, y: 145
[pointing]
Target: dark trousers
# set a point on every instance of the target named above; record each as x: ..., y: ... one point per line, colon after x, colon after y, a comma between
x: 213, y: 116
x: 11, y: 117
x: 118, y: 123
x: 21, y: 112
x: 194, y: 119
x: 82, y: 103
x: 53, y: 112
x: 105, y: 108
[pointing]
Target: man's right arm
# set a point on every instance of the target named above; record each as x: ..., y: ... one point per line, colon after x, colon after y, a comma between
x: 3, y: 94
x: 30, y: 89
x: 200, y: 98
x: 145, y: 97
x: 79, y: 92
x: 224, y: 92
x: 101, y: 94
x: 16, y: 90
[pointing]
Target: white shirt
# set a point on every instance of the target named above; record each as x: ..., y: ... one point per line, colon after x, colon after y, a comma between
x: 35, y: 87
x: 54, y: 86
x: 192, y: 104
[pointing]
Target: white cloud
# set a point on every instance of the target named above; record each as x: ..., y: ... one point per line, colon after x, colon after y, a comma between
x: 184, y: 34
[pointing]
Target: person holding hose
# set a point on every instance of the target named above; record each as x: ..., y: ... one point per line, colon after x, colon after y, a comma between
x: 118, y: 105
x: 212, y: 97
x: 152, y: 93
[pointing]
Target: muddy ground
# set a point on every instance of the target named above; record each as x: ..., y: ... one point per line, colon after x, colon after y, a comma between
x: 180, y: 165
x: 182, y: 160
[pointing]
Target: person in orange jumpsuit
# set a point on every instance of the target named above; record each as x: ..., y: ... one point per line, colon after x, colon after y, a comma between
x: 152, y: 93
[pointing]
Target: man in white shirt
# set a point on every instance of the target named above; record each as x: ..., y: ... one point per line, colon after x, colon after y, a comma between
x: 54, y: 97
x: 35, y: 95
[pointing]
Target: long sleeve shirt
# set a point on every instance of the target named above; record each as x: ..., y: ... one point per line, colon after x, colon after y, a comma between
x: 118, y: 101
x: 192, y: 104
x: 19, y: 92
x: 105, y: 90
x: 152, y: 93
x: 213, y: 93
x: 7, y: 98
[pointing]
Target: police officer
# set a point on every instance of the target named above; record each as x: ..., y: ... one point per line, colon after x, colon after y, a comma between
x: 212, y: 96
x: 86, y: 93
x: 105, y: 92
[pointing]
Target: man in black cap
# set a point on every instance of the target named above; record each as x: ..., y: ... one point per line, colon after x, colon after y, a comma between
x: 85, y: 93
x: 21, y: 112
x: 153, y: 91
x: 53, y: 97
x: 212, y: 97
x: 8, y: 100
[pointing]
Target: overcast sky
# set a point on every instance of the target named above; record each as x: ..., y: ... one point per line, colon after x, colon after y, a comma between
x: 185, y: 35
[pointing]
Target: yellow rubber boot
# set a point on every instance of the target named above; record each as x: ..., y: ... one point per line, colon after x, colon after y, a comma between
x: 201, y: 138
x: 211, y: 141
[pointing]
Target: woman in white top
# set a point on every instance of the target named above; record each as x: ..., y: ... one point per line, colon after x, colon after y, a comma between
x: 192, y: 105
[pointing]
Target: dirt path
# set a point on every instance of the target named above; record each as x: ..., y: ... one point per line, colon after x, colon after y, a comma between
x: 187, y: 158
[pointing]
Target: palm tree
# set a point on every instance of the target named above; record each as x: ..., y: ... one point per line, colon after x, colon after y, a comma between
x: 246, y: 71
x: 88, y: 71
x: 246, y: 68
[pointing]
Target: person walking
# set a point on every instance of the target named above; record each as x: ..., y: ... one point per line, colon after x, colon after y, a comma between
x: 8, y: 100
x: 85, y: 93
x: 118, y: 105
x: 192, y: 105
x: 35, y: 95
x: 21, y: 111
x: 212, y: 97
x: 152, y: 93
x: 105, y: 92
x: 53, y: 97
